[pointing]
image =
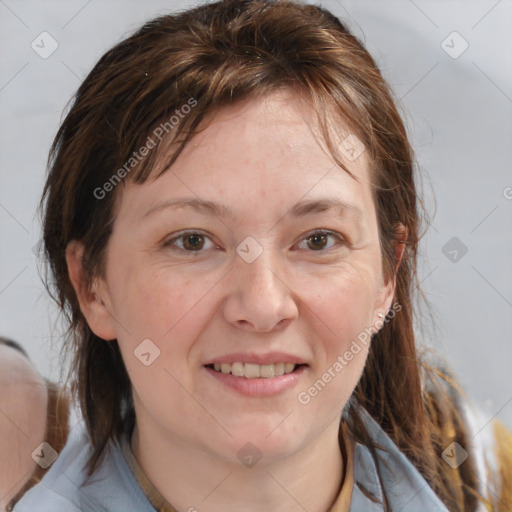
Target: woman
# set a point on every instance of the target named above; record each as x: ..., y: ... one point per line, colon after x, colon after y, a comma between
x: 232, y: 223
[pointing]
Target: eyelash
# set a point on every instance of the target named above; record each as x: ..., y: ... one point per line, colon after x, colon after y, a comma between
x: 170, y: 243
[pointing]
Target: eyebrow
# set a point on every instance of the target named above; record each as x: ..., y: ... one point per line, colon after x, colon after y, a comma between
x: 300, y: 209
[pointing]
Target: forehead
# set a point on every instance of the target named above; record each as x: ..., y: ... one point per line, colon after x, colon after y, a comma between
x: 281, y: 123
x: 262, y: 150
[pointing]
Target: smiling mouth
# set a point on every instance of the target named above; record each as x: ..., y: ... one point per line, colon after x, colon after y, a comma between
x: 255, y: 371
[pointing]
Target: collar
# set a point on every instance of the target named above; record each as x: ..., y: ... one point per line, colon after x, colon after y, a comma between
x: 388, y: 476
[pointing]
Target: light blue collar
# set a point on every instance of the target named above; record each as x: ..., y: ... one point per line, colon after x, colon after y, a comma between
x: 404, y: 487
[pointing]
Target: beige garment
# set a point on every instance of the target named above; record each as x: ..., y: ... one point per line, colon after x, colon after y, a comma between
x: 342, y: 503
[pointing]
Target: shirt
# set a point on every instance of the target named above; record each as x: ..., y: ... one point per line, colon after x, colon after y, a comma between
x: 114, y: 487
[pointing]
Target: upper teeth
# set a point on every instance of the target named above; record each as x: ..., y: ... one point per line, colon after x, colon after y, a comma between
x: 253, y: 371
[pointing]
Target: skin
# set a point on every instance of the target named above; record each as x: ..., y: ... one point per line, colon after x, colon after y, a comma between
x: 23, y: 404
x: 258, y: 160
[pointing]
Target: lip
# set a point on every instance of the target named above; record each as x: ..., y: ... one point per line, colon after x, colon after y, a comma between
x: 253, y: 358
x: 259, y: 387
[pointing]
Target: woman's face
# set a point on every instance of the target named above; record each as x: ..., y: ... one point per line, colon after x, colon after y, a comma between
x: 254, y: 250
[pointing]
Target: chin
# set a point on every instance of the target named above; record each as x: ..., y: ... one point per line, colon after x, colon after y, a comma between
x: 268, y: 439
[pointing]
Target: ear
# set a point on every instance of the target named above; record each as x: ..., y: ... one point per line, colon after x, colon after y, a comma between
x: 94, y: 301
x: 387, y: 289
x: 401, y: 234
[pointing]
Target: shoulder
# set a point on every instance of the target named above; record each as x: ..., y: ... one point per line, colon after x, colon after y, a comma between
x: 58, y: 490
x: 42, y: 499
x: 67, y: 487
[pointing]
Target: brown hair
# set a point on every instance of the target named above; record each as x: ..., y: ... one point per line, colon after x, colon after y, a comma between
x: 212, y: 56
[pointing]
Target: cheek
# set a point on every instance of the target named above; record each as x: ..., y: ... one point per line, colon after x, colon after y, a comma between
x: 152, y: 301
x: 340, y: 307
x: 170, y: 308
x: 343, y: 301
x: 342, y: 316
x: 341, y: 321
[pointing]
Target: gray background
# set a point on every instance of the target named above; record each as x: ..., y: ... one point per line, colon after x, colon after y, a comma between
x: 459, y: 115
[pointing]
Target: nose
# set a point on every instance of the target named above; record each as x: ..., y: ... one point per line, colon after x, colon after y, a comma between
x: 258, y: 297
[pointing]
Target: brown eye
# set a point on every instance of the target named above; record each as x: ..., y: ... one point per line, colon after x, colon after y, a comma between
x: 193, y: 242
x: 321, y: 240
x: 317, y: 241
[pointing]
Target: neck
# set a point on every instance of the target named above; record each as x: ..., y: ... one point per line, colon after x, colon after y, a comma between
x: 192, y: 478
